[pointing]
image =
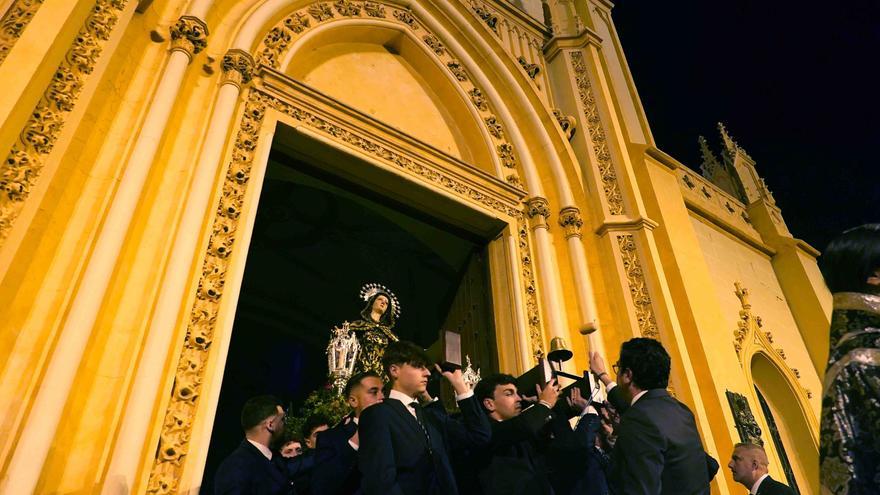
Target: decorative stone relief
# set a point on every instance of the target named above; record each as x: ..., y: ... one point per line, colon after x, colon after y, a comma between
x: 531, y: 69
x: 514, y: 181
x: 494, y: 127
x: 607, y: 174
x: 281, y: 36
x: 374, y: 9
x: 457, y: 70
x: 570, y: 221
x: 25, y: 161
x: 347, y: 8
x: 180, y: 413
x: 528, y: 279
x: 505, y: 151
x: 238, y: 66
x: 688, y: 181
x: 189, y: 34
x: 17, y: 17
x: 434, y: 43
x: 478, y: 99
x: 320, y: 12
x: 567, y: 123
x: 489, y: 18
x: 748, y: 428
x: 538, y: 210
x: 638, y: 287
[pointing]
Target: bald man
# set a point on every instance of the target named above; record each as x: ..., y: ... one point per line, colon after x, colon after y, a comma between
x: 749, y: 467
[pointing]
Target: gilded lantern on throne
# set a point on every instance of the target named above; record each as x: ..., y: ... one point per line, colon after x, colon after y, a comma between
x: 342, y: 355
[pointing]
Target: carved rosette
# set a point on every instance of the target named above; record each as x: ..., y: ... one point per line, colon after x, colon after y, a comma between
x: 17, y: 17
x: 570, y: 221
x: 238, y: 67
x: 25, y: 161
x: 638, y: 286
x: 189, y: 35
x: 607, y: 175
x: 434, y: 44
x: 538, y: 210
x: 536, y: 336
x: 567, y: 123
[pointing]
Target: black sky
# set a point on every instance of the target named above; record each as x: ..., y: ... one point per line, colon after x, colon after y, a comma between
x: 796, y: 84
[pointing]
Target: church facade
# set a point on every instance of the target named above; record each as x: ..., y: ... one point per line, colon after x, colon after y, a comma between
x: 137, y: 136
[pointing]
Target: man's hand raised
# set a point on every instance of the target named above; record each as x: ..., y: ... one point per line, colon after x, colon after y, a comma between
x: 549, y: 394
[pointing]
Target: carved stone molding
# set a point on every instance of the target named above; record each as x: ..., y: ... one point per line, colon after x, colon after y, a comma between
x: 238, y: 67
x: 538, y: 210
x: 190, y: 35
x: 189, y: 375
x: 531, y: 69
x: 567, y: 123
x: 536, y: 337
x: 280, y: 37
x: 607, y: 174
x: 638, y: 286
x: 746, y: 426
x: 25, y: 161
x: 570, y: 221
x: 14, y: 20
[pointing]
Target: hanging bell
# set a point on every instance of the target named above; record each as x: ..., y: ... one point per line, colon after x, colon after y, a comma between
x: 558, y: 351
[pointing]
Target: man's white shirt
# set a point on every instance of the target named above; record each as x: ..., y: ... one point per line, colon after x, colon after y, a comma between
x: 262, y: 448
x: 757, y: 484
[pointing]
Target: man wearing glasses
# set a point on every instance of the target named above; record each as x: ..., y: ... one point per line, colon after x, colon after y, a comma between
x: 658, y: 449
x: 252, y: 467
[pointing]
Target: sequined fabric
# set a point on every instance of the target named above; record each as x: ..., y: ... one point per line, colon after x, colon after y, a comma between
x: 373, y: 339
x: 849, y: 453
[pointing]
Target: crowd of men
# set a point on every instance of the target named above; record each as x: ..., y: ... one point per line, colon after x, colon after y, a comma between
x: 398, y: 440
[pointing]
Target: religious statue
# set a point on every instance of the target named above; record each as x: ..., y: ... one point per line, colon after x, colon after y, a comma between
x: 373, y: 330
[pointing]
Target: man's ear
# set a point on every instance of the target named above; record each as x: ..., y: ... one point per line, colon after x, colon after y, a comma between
x: 489, y: 404
x: 352, y: 401
x: 393, y: 371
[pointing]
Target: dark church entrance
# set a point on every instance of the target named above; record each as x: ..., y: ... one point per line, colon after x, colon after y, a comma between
x: 317, y: 239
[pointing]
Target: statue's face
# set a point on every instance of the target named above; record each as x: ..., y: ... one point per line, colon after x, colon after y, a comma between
x: 380, y: 304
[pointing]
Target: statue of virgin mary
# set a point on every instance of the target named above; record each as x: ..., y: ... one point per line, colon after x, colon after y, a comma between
x: 373, y: 329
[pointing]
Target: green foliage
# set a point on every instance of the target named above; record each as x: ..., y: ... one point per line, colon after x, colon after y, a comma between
x: 322, y: 402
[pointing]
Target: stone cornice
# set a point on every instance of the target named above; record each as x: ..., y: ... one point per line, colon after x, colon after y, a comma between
x: 629, y: 224
x: 558, y: 43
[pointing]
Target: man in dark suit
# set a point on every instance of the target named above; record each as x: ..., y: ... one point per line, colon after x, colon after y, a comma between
x: 403, y: 449
x: 252, y: 468
x: 748, y: 463
x: 658, y: 449
x: 336, y: 471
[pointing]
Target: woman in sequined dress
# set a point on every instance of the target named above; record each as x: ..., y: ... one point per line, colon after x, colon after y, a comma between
x: 373, y: 330
x: 849, y: 452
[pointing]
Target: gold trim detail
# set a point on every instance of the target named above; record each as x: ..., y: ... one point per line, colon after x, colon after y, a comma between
x: 14, y: 20
x: 279, y: 39
x: 613, y: 196
x: 570, y: 221
x: 180, y: 413
x: 25, y: 161
x: 638, y: 287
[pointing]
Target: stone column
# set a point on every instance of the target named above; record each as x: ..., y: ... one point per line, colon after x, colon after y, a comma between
x: 237, y: 68
x: 189, y: 36
x: 571, y: 223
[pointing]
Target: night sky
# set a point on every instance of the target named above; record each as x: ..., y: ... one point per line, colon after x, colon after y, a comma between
x: 796, y: 84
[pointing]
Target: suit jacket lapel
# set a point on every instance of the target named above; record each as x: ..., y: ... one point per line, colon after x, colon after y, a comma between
x: 406, y: 417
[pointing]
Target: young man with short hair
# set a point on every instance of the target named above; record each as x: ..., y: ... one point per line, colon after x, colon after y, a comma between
x: 252, y: 468
x: 529, y: 444
x: 336, y: 470
x: 748, y: 464
x: 405, y: 450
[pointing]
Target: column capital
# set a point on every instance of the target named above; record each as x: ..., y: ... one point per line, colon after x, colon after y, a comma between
x: 189, y: 35
x: 238, y: 67
x: 571, y: 222
x: 538, y: 210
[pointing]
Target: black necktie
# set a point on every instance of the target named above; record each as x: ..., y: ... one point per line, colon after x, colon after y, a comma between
x: 421, y: 420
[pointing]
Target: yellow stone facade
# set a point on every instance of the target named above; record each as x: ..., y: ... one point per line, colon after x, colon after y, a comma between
x: 137, y: 134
